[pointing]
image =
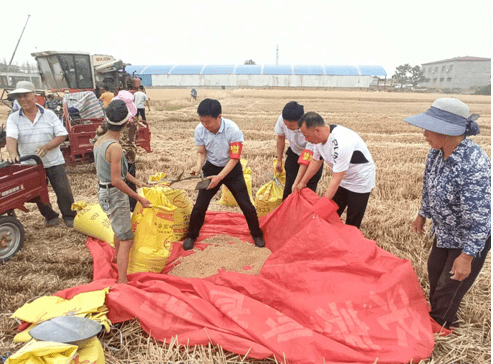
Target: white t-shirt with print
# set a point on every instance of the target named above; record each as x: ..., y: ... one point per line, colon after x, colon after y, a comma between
x: 296, y: 139
x: 345, y: 151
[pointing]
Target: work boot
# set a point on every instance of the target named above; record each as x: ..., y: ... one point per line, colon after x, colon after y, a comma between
x: 53, y: 222
x: 69, y: 222
x: 259, y: 241
x: 188, y: 243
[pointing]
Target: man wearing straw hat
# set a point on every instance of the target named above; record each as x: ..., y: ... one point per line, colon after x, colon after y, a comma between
x: 36, y: 130
x: 457, y: 198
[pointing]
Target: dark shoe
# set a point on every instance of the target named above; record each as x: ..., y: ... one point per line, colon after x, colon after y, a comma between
x: 69, y: 222
x: 259, y: 241
x: 53, y: 222
x: 188, y: 243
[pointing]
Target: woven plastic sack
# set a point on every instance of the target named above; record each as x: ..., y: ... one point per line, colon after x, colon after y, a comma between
x: 93, y: 221
x: 269, y: 196
x: 48, y: 352
x: 227, y: 198
x: 88, y: 304
x: 157, y: 227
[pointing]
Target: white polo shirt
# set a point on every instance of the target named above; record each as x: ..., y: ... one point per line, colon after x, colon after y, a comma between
x: 345, y: 151
x: 296, y: 139
x: 32, y: 135
x: 217, y: 145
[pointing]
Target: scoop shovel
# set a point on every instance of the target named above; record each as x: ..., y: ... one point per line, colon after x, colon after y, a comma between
x: 188, y: 183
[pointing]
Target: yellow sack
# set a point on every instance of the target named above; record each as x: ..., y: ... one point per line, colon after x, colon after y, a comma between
x: 156, y: 178
x: 43, y: 352
x: 47, y: 352
x: 227, y: 198
x: 86, y: 304
x: 157, y: 227
x: 91, y: 352
x: 269, y: 196
x: 92, y: 221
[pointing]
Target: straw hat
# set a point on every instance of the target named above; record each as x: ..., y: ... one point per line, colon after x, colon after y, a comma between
x: 447, y: 116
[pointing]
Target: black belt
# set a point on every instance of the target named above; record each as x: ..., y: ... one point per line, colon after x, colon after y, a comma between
x: 106, y: 186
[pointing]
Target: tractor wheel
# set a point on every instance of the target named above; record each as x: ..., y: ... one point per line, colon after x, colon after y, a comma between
x: 11, y: 237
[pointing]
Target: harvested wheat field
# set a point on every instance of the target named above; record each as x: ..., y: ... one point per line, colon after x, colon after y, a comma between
x: 57, y: 258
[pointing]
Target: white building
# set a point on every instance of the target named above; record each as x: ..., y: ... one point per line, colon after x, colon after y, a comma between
x: 458, y: 73
x: 233, y: 76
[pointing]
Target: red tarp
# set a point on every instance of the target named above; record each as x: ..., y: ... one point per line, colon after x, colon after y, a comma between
x: 326, y: 294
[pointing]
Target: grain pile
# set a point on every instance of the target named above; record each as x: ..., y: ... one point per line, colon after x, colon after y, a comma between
x: 223, y: 253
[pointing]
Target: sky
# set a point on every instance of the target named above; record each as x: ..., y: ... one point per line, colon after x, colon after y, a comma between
x: 388, y: 33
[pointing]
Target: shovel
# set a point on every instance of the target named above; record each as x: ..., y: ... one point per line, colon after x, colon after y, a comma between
x: 181, y: 182
x: 203, y: 183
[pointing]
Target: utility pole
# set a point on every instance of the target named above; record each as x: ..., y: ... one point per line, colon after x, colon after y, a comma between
x: 277, y: 54
x: 15, y: 50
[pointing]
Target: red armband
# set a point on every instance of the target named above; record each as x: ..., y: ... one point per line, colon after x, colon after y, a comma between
x: 305, y: 157
x: 235, y: 150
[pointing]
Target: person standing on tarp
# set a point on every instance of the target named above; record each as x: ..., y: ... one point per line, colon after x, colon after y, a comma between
x: 353, y: 169
x: 219, y: 143
x: 112, y: 172
x: 457, y: 198
x: 299, y: 153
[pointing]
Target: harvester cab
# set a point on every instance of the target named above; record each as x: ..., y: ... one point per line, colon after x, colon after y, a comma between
x: 79, y: 71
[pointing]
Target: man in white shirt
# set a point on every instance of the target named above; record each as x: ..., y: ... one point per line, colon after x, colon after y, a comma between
x: 299, y: 153
x: 36, y: 130
x: 348, y: 156
x: 141, y: 100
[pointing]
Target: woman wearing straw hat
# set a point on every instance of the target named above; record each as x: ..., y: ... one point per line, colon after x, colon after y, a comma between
x: 457, y: 198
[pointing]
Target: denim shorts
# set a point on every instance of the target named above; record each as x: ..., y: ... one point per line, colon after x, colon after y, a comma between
x: 116, y: 205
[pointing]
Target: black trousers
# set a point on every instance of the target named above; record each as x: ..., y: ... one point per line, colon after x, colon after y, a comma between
x: 236, y: 184
x: 446, y: 294
x: 142, y: 113
x: 58, y: 178
x: 356, y: 205
x: 291, y: 166
x: 133, y: 201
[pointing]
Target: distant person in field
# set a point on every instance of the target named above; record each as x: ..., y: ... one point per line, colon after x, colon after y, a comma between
x: 113, y: 192
x: 193, y: 94
x: 219, y: 143
x: 35, y: 130
x: 141, y: 100
x: 299, y: 153
x: 106, y: 96
x: 457, y: 199
x: 353, y: 169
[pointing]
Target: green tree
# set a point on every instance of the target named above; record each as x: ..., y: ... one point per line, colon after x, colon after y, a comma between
x: 417, y: 76
x: 401, y: 74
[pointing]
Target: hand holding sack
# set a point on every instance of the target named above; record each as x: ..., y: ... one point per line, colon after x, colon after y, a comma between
x: 157, y: 227
x: 269, y: 196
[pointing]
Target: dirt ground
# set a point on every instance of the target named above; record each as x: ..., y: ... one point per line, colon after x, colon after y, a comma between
x: 56, y: 258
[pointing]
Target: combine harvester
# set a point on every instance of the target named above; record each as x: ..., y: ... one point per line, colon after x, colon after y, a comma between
x: 80, y: 76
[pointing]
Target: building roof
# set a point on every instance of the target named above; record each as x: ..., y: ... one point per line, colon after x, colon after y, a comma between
x: 461, y: 59
x: 257, y: 69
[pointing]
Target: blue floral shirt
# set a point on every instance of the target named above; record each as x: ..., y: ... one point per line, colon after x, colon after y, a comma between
x: 457, y: 197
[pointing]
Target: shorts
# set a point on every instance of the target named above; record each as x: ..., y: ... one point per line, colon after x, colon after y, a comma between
x: 116, y: 205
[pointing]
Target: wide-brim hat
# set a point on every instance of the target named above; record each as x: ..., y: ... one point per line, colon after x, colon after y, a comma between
x: 447, y: 116
x: 23, y: 87
x: 128, y: 98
